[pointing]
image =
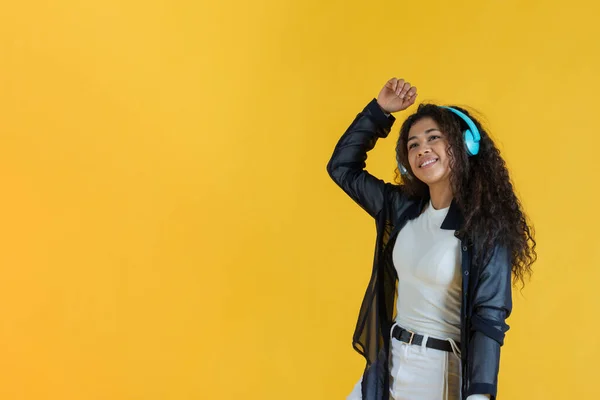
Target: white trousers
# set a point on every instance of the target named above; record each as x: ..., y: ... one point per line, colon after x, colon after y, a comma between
x: 421, y: 373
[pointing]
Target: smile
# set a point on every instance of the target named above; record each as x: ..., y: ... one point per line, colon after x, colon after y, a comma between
x: 428, y: 163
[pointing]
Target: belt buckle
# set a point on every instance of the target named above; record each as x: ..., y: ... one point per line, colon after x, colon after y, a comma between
x: 412, y: 335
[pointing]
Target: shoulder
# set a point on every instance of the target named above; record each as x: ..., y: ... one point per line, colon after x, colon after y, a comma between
x: 398, y: 201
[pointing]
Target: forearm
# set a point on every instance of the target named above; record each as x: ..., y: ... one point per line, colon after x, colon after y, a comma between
x: 347, y: 164
x: 360, y: 137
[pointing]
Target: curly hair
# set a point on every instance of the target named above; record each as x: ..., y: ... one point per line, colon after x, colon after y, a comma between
x: 482, y: 190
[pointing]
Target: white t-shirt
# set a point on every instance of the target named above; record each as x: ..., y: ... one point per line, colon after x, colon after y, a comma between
x: 428, y: 262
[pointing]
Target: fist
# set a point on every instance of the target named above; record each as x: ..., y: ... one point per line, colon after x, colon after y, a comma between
x: 396, y: 95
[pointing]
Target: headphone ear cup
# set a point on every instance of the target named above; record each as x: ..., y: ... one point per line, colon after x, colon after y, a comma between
x: 403, y: 171
x: 471, y: 144
x: 471, y: 136
x: 400, y: 166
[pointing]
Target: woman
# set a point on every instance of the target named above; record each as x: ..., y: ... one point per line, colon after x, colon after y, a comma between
x: 450, y: 235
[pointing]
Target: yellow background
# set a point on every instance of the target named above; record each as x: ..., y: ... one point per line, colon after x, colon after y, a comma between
x: 169, y: 230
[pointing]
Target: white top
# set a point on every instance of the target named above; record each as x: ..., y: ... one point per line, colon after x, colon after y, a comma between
x: 428, y: 261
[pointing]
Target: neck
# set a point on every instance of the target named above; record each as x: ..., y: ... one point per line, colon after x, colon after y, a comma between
x: 441, y: 195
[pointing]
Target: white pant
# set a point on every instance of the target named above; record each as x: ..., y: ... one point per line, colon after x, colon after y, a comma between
x: 421, y: 373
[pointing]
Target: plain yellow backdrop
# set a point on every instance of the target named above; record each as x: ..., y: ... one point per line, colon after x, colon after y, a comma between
x: 169, y: 230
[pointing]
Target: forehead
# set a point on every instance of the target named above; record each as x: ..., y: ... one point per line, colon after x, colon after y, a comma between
x: 422, y: 126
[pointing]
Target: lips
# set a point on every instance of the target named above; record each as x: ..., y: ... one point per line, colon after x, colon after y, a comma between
x: 428, y: 162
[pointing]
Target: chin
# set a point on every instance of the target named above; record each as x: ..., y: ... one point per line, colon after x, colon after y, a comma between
x: 430, y: 182
x: 434, y: 180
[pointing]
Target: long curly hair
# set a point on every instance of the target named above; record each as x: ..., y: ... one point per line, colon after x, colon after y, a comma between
x: 482, y: 190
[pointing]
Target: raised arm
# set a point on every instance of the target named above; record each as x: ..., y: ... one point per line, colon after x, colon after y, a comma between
x: 347, y: 164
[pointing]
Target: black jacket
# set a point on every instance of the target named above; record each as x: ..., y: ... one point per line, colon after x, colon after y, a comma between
x: 486, y: 299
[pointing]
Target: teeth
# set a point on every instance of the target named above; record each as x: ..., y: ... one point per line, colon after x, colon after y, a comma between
x: 428, y: 162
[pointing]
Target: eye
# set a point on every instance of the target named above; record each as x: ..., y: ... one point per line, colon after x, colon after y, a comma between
x: 410, y: 146
x: 434, y: 136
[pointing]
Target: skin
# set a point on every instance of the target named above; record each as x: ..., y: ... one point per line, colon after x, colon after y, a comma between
x: 425, y: 142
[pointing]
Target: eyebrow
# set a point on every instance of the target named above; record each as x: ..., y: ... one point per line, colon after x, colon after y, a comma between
x: 427, y: 132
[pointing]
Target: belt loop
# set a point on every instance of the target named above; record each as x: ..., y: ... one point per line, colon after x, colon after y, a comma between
x: 424, y: 344
x: 392, y: 330
x: 455, y: 348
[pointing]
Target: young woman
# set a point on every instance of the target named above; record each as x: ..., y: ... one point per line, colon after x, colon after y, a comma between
x: 450, y: 235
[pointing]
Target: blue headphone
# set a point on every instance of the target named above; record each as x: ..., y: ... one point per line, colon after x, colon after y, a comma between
x: 471, y: 137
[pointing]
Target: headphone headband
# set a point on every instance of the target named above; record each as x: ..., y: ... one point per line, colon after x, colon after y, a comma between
x: 468, y: 121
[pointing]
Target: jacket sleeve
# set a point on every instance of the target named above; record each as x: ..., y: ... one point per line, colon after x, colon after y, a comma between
x: 347, y: 164
x: 491, y: 306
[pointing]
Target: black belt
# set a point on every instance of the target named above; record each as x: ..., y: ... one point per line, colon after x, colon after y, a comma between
x: 410, y: 337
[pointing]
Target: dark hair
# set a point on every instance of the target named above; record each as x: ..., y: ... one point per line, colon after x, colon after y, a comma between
x: 482, y: 190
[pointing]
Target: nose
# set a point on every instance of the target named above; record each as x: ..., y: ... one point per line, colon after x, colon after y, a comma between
x: 424, y: 150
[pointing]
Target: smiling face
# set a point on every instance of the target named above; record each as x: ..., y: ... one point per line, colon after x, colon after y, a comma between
x: 427, y: 152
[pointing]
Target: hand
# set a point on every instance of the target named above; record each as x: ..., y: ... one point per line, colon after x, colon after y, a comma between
x: 396, y: 95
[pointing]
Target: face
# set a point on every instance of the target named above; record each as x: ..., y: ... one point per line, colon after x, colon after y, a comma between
x: 427, y: 156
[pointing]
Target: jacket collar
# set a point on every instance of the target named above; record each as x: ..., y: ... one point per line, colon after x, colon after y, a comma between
x: 454, y: 219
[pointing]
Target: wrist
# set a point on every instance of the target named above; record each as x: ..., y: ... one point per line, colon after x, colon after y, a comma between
x: 386, y: 112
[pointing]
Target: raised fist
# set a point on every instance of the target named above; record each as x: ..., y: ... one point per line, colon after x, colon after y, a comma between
x: 396, y: 95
